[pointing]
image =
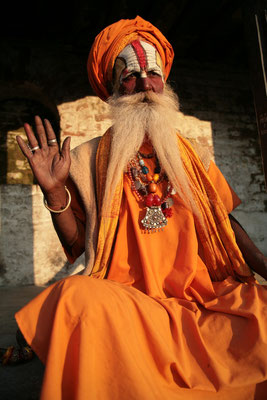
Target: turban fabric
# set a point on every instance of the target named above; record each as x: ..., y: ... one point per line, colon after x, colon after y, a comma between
x: 112, y: 40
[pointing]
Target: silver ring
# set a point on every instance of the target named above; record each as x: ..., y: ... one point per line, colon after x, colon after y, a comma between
x: 52, y: 141
x: 34, y: 148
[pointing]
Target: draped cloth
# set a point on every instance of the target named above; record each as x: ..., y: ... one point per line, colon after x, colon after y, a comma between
x: 157, y: 327
x: 112, y: 40
x: 222, y: 255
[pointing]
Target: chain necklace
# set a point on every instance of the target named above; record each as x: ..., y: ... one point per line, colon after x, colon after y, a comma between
x: 144, y: 185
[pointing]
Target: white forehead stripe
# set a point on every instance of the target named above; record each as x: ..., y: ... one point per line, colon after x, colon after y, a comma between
x: 132, y: 62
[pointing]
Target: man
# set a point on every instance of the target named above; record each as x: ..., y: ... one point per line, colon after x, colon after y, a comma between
x: 171, y: 309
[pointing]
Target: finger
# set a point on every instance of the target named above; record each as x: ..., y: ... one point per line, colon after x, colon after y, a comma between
x: 51, y: 137
x: 65, y: 152
x: 33, y: 142
x: 40, y: 131
x: 24, y: 148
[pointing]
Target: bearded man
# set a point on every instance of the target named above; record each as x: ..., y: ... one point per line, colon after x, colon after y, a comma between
x: 167, y: 306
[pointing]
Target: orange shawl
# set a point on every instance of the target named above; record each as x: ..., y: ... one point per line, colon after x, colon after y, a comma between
x: 222, y: 255
x: 112, y: 40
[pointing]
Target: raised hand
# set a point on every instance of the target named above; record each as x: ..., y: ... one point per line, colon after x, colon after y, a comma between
x: 49, y: 165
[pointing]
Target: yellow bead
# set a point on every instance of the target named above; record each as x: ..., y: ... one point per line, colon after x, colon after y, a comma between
x: 156, y: 178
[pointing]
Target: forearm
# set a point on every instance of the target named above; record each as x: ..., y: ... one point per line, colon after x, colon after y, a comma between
x: 51, y: 166
x: 252, y: 255
x: 67, y: 227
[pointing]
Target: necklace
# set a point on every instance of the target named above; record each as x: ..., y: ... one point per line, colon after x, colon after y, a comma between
x: 144, y: 185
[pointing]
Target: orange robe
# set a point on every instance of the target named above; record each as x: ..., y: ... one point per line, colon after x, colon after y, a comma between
x: 158, y: 327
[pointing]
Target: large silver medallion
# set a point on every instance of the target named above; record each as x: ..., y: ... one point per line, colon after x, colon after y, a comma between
x: 154, y: 219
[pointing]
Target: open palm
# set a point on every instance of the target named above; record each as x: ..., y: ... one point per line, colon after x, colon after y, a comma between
x: 49, y: 165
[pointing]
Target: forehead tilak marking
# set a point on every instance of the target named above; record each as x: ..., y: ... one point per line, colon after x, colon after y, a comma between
x: 152, y: 57
x: 139, y: 57
x: 140, y: 54
x: 130, y: 58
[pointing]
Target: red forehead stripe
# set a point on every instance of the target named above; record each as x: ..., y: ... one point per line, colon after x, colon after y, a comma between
x: 140, y: 54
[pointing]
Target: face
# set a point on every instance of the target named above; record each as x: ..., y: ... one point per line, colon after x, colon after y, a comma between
x: 138, y: 68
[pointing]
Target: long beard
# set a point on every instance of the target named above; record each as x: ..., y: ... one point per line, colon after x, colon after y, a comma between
x: 139, y: 116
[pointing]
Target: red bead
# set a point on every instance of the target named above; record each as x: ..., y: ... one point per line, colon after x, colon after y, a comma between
x: 167, y: 212
x: 156, y: 200
x: 149, y: 200
x: 149, y: 177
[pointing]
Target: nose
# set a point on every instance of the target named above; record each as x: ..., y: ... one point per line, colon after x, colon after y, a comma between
x: 144, y: 84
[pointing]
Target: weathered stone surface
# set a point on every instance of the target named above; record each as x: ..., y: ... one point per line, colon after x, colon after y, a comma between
x: 83, y: 119
x: 29, y: 247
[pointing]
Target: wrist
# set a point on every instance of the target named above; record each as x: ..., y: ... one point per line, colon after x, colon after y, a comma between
x: 61, y: 209
x: 57, y: 199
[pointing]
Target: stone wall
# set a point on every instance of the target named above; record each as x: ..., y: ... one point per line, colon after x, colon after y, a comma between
x: 221, y: 95
x: 30, y: 251
x: 218, y: 110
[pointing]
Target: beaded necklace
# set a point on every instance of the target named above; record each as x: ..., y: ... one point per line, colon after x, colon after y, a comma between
x: 144, y: 185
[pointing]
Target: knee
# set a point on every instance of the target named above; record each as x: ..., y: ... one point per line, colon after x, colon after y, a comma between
x: 79, y: 285
x: 81, y: 294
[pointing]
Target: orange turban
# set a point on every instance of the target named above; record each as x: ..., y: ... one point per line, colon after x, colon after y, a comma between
x: 112, y: 40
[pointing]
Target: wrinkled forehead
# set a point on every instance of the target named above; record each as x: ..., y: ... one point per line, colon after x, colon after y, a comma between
x: 140, y: 55
x: 136, y: 57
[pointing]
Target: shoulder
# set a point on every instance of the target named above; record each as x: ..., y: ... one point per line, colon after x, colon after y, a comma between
x: 86, y: 149
x: 203, y: 154
x: 191, y: 130
x: 83, y: 159
x: 202, y: 151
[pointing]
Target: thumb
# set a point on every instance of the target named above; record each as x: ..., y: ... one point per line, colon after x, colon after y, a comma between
x: 65, y: 151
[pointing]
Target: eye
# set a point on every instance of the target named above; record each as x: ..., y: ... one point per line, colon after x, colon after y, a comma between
x: 131, y: 76
x: 152, y: 73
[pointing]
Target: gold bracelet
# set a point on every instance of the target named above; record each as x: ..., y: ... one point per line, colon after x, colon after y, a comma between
x: 63, y: 209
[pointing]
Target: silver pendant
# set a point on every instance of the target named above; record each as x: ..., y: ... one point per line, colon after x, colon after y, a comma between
x: 154, y: 219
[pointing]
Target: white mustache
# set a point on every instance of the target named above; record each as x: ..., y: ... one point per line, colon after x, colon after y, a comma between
x: 137, y: 98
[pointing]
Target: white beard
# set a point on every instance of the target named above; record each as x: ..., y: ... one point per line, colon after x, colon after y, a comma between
x: 135, y: 117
